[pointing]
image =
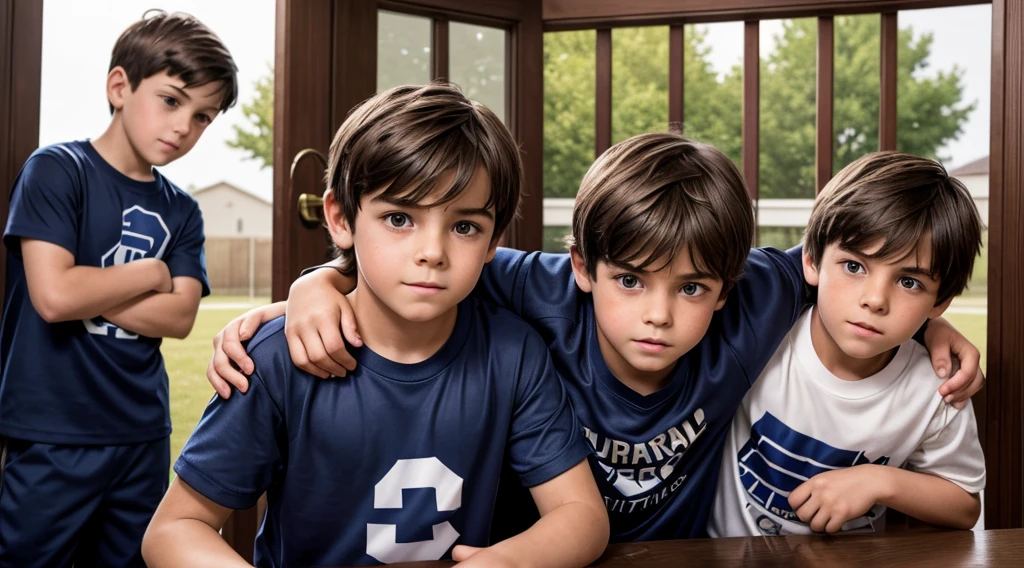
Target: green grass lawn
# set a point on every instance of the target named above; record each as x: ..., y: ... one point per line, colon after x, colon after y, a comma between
x: 186, y: 361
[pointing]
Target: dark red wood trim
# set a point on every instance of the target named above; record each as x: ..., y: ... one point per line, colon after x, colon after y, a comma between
x: 751, y: 105
x: 603, y: 96
x: 526, y: 120
x: 21, y: 53
x: 889, y: 69
x: 676, y: 45
x: 1003, y: 398
x: 439, y: 50
x: 303, y: 102
x: 462, y: 10
x: 825, y: 136
x: 562, y: 15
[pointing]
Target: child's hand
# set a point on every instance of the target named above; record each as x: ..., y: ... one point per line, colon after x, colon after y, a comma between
x: 944, y: 342
x: 229, y: 354
x: 827, y: 500
x: 317, y: 315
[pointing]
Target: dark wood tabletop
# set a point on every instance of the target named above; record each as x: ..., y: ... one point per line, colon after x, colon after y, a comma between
x: 894, y: 549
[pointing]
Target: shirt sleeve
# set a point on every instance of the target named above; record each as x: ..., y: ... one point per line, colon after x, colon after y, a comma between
x: 187, y: 257
x: 951, y: 449
x: 532, y: 285
x: 763, y: 306
x: 235, y: 452
x: 545, y: 439
x: 45, y: 202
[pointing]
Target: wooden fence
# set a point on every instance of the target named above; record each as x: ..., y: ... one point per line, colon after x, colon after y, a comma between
x: 239, y: 266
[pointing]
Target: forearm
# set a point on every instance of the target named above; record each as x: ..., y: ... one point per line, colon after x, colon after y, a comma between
x: 155, y: 315
x: 331, y: 276
x: 187, y: 542
x: 573, y: 534
x: 84, y: 292
x: 928, y: 498
x: 161, y: 314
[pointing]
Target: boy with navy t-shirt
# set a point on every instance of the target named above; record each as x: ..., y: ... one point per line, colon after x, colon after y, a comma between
x: 104, y: 258
x: 653, y: 357
x: 401, y: 463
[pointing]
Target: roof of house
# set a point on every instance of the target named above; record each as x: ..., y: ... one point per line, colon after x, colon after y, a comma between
x: 224, y: 184
x: 977, y: 167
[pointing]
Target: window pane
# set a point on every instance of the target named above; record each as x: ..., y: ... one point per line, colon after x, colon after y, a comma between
x: 639, y: 81
x: 788, y: 111
x: 403, y: 50
x: 476, y: 60
x: 943, y: 102
x: 713, y: 86
x: 856, y: 88
x: 569, y: 86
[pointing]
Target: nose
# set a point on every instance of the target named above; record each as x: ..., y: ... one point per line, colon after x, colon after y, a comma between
x: 658, y: 311
x: 182, y: 124
x: 432, y: 250
x: 874, y: 296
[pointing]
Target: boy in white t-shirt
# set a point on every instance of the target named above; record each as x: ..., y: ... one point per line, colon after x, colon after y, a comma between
x: 844, y: 420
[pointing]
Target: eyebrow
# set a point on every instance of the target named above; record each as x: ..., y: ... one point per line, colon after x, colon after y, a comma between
x: 909, y: 270
x: 184, y: 94
x: 466, y: 211
x: 681, y: 277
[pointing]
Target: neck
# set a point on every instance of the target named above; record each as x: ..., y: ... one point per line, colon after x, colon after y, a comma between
x: 837, y: 361
x: 641, y: 382
x: 393, y: 337
x: 114, y: 147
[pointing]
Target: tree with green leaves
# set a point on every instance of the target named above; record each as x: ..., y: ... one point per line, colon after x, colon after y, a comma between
x: 256, y: 138
x: 930, y: 108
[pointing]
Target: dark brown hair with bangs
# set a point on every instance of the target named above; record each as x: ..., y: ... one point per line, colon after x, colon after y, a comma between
x: 897, y: 199
x: 405, y: 140
x: 649, y: 195
x: 181, y: 45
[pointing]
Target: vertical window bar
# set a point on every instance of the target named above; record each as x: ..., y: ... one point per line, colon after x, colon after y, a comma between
x: 887, y: 106
x: 751, y: 104
x: 439, y: 50
x: 603, y: 115
x: 825, y: 136
x: 676, y: 43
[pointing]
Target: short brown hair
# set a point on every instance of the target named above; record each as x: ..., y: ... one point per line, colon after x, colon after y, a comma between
x: 179, y: 44
x: 406, y: 139
x: 898, y: 198
x: 647, y: 196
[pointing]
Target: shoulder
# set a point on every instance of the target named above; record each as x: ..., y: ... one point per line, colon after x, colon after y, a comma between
x: 178, y: 196
x: 71, y: 156
x: 273, y: 363
x: 504, y: 332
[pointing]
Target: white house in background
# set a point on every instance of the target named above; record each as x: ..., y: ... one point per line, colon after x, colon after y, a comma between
x: 232, y: 212
x: 975, y: 176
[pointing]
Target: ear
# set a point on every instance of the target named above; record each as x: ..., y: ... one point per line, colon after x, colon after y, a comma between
x: 721, y: 300
x: 337, y: 224
x: 491, y: 251
x: 811, y: 275
x: 939, y: 309
x: 579, y: 270
x: 118, y: 87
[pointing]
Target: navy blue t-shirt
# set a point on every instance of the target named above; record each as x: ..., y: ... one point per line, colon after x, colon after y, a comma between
x: 89, y: 382
x: 656, y: 457
x: 395, y: 462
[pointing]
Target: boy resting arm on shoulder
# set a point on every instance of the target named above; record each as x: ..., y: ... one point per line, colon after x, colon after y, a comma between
x: 402, y: 462
x: 841, y: 423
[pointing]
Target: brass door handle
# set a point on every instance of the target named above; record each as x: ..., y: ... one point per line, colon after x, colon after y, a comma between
x: 311, y: 208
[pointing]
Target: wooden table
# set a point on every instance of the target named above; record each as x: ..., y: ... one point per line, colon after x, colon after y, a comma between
x: 895, y: 549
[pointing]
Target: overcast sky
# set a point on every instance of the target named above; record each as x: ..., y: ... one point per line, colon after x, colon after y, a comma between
x: 78, y: 37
